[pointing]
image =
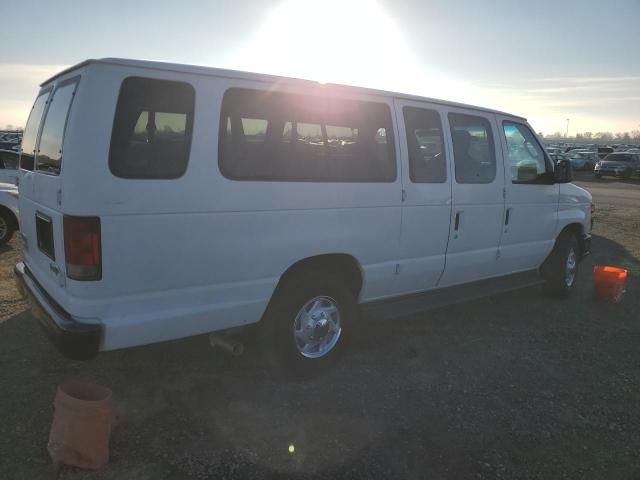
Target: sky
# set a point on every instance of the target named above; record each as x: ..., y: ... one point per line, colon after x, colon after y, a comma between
x: 548, y: 61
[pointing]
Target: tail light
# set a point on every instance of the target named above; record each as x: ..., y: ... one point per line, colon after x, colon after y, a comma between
x: 82, y: 250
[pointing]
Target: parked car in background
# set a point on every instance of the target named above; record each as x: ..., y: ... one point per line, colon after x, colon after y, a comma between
x: 553, y: 150
x: 604, y: 151
x: 558, y: 156
x: 10, y: 140
x: 8, y: 211
x: 9, y: 166
x: 583, y: 159
x: 623, y: 165
x: 622, y: 148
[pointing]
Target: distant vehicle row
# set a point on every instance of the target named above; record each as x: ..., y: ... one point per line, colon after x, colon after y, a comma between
x: 601, y: 150
x: 622, y: 164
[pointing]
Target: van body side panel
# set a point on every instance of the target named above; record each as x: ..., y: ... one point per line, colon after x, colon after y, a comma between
x: 426, y: 211
x: 202, y: 252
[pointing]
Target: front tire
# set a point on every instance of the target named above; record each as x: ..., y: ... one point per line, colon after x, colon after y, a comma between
x: 305, y: 327
x: 6, y: 228
x: 560, y: 270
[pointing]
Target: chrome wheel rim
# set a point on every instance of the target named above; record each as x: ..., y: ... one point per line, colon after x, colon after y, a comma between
x: 3, y: 228
x: 317, y: 327
x: 570, y: 271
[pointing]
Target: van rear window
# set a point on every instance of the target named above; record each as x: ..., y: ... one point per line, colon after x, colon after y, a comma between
x: 152, y: 129
x: 49, y: 154
x: 277, y: 136
x: 28, y: 147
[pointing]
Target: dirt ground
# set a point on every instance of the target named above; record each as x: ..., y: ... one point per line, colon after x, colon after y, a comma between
x: 512, y: 387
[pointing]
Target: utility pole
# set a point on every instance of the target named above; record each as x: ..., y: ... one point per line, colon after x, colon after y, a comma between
x: 567, y: 132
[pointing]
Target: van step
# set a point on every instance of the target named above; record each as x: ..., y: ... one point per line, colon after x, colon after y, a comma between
x: 421, y: 302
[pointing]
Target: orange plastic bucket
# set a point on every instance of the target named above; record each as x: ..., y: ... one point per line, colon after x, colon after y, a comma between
x: 609, y: 283
x: 81, y: 425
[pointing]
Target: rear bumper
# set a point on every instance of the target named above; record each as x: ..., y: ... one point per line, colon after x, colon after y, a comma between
x: 73, y: 338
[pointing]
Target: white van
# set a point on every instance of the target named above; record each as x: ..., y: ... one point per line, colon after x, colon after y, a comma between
x: 159, y: 201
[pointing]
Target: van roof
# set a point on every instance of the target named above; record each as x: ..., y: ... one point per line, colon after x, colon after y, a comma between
x: 219, y: 72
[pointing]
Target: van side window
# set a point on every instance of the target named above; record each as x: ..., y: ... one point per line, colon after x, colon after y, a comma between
x: 427, y: 162
x: 152, y: 129
x: 525, y: 155
x: 28, y: 147
x: 49, y: 155
x: 278, y: 136
x: 474, y: 152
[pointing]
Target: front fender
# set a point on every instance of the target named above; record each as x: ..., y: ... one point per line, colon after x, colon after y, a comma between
x: 574, y: 207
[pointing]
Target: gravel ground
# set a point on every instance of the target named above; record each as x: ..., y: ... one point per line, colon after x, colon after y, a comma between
x: 515, y: 386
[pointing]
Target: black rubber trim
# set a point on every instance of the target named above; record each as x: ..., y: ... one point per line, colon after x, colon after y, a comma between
x: 586, y: 245
x: 74, y: 339
x: 415, y: 303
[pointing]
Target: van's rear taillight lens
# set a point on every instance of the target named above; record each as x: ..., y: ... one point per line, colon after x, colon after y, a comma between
x: 82, y: 248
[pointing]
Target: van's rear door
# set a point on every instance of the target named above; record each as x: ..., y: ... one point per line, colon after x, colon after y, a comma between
x: 41, y: 164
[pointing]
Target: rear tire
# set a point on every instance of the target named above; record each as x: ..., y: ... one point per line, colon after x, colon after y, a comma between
x: 6, y: 228
x: 305, y: 327
x: 560, y: 270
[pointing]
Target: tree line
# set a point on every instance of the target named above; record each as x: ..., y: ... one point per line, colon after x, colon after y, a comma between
x: 621, y: 137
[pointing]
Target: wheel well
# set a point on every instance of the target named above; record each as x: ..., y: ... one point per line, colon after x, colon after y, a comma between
x: 571, y: 229
x: 574, y: 229
x: 10, y: 216
x: 341, y: 264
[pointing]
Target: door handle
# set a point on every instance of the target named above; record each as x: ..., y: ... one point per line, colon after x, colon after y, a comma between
x: 456, y: 224
x: 506, y: 216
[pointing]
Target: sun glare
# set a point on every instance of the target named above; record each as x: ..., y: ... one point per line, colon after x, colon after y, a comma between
x: 353, y: 42
x: 338, y: 41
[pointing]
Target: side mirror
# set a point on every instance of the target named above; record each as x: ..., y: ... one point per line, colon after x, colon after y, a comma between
x: 527, y: 172
x: 563, y: 172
